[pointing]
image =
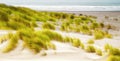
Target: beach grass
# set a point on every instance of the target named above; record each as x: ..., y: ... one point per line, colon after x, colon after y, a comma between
x: 47, y: 25
x: 12, y: 44
x: 91, y: 41
x: 90, y: 48
x: 99, y: 52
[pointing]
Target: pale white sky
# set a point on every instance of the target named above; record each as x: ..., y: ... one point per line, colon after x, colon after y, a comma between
x: 61, y: 2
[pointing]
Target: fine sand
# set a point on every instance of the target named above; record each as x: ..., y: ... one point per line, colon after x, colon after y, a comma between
x: 66, y: 52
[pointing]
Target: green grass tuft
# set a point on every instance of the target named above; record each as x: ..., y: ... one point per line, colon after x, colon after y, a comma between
x: 90, y: 48
x: 82, y: 46
x: 98, y: 52
x: 47, y: 25
x: 98, y: 34
x: 76, y: 42
x: 90, y: 41
x: 12, y: 44
x: 113, y: 58
x: 53, y: 35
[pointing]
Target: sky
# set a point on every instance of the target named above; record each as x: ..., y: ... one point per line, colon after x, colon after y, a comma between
x: 61, y: 2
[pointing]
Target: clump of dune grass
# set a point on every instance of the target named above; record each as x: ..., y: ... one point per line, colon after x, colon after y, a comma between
x: 35, y: 44
x: 35, y: 41
x: 85, y: 29
x: 65, y: 16
x: 25, y: 33
x: 77, y: 29
x: 6, y: 37
x: 82, y: 45
x: 108, y: 35
x: 67, y: 39
x: 91, y: 41
x: 12, y: 44
x: 65, y: 26
x: 98, y: 52
x: 116, y: 19
x: 113, y: 58
x: 31, y: 41
x: 47, y: 25
x: 51, y: 46
x: 3, y: 38
x: 107, y: 47
x: 52, y: 35
x: 108, y: 26
x: 42, y: 36
x: 76, y: 42
x: 98, y: 34
x: 72, y: 16
x: 114, y: 51
x: 52, y: 19
x: 9, y: 35
x: 95, y: 25
x: 102, y: 25
x: 15, y: 25
x: 93, y: 17
x: 43, y: 53
x: 90, y: 48
x: 106, y: 17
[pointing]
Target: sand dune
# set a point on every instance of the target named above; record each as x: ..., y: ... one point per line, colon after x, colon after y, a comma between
x: 66, y: 52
